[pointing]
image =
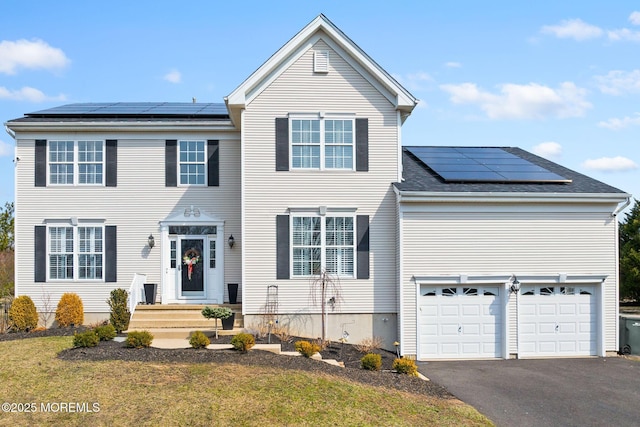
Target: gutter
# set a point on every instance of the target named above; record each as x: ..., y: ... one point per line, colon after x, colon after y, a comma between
x: 519, y: 197
x: 623, y: 207
x: 11, y: 133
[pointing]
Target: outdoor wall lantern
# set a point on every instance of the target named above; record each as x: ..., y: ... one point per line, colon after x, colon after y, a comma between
x: 515, y: 285
x: 231, y: 241
x: 151, y: 241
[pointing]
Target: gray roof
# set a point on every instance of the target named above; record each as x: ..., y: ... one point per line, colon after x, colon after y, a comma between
x: 127, y: 111
x: 419, y: 177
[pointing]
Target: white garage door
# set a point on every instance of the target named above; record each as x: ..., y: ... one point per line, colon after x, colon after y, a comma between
x: 557, y: 321
x: 461, y: 322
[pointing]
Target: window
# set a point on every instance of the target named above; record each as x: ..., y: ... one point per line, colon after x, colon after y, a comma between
x: 212, y: 254
x: 76, y: 162
x: 321, y: 143
x: 192, y: 165
x: 76, y: 253
x: 327, y: 242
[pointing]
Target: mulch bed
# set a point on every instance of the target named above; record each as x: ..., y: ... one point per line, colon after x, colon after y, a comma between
x: 348, y: 354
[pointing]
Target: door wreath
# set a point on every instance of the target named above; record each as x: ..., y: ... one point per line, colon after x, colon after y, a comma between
x: 190, y: 258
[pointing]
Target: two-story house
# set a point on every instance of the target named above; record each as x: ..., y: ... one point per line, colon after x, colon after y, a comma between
x: 301, y: 171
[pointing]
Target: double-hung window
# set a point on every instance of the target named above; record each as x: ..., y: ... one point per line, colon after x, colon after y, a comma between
x: 76, y: 162
x: 322, y: 143
x: 323, y: 243
x: 75, y: 253
x: 192, y: 164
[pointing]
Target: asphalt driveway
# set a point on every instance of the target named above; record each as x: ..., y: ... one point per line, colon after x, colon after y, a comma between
x: 550, y: 392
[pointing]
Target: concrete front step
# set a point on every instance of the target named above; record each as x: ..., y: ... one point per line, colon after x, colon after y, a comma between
x: 179, y: 316
x: 184, y: 333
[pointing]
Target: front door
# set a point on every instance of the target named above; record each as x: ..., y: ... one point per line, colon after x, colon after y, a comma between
x: 193, y: 263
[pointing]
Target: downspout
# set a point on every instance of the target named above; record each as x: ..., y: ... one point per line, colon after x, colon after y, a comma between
x: 621, y: 208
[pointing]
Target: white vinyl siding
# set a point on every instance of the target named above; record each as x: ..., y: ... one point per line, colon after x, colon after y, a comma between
x: 514, y: 239
x: 135, y: 206
x: 269, y: 193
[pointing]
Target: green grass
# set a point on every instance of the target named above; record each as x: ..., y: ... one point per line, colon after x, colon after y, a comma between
x: 137, y: 393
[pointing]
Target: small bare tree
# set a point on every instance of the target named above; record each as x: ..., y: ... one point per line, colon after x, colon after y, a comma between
x: 325, y: 283
x: 47, y: 311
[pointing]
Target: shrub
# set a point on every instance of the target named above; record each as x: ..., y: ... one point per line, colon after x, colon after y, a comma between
x: 105, y: 332
x: 306, y: 348
x: 368, y: 345
x: 119, y: 310
x: 139, y: 339
x: 405, y: 366
x: 86, y: 339
x: 199, y: 340
x: 22, y: 314
x: 70, y: 311
x: 371, y: 362
x: 243, y: 342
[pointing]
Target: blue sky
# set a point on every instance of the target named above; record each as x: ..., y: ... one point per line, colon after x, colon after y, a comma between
x: 560, y: 79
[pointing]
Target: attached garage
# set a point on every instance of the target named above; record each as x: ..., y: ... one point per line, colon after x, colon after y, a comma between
x: 558, y: 320
x: 460, y: 322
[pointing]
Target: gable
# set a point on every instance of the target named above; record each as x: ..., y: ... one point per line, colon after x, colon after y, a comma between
x: 319, y: 30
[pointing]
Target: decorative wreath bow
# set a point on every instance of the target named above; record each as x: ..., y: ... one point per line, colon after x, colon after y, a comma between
x: 190, y: 258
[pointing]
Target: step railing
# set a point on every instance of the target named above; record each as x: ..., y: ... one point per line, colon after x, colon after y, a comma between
x: 136, y: 291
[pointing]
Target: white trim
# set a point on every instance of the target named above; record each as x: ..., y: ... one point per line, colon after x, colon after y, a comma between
x: 205, y: 163
x: 75, y: 253
x: 75, y: 163
x: 399, y: 147
x: 243, y: 211
x: 399, y: 279
x: 531, y: 279
x: 108, y: 126
x: 323, y: 243
x: 508, y: 197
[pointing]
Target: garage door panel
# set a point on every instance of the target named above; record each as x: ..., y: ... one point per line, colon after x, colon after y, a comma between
x: 558, y: 321
x: 467, y: 326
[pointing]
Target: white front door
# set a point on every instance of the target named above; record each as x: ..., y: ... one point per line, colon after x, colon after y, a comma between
x: 557, y: 321
x: 460, y: 322
x: 194, y: 272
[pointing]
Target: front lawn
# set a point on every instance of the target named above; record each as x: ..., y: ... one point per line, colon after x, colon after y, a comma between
x: 139, y: 393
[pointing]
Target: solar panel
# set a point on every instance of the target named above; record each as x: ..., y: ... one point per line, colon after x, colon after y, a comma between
x: 483, y: 164
x: 135, y: 109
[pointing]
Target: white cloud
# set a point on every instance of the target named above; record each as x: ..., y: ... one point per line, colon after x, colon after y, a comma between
x: 5, y: 149
x: 624, y: 34
x: 549, y: 150
x: 618, y: 82
x: 531, y: 101
x: 414, y: 81
x: 617, y: 124
x: 634, y: 18
x: 574, y: 29
x: 173, y: 76
x: 453, y: 64
x: 610, y: 164
x: 28, y: 94
x: 32, y: 54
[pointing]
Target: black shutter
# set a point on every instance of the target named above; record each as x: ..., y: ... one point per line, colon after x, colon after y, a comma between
x: 40, y: 258
x: 282, y: 245
x: 170, y: 163
x: 110, y: 254
x: 362, y: 145
x: 213, y: 163
x: 282, y: 144
x: 111, y: 177
x: 362, y: 227
x: 41, y: 163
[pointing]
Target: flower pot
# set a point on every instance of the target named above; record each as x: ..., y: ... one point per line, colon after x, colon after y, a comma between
x: 227, y: 324
x: 150, y: 290
x: 233, y: 293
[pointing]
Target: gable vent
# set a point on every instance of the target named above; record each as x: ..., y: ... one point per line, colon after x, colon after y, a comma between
x: 321, y: 61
